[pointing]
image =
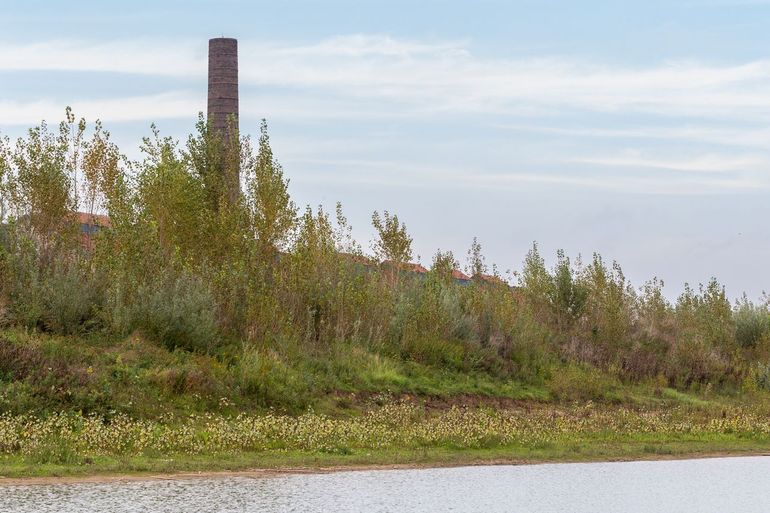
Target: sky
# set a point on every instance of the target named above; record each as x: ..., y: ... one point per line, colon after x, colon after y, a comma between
x: 638, y: 130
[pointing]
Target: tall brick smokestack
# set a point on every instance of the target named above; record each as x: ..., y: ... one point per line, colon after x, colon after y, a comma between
x: 223, y: 94
x: 223, y: 82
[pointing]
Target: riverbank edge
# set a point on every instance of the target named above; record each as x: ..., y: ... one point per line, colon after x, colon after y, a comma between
x: 14, y: 472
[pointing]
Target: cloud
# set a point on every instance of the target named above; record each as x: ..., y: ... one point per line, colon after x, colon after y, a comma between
x: 738, y: 136
x: 185, y: 104
x: 176, y: 104
x: 377, y: 77
x: 403, y: 174
x: 708, y: 163
x: 432, y: 77
x: 136, y: 57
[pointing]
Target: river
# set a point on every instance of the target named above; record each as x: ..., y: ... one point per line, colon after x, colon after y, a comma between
x: 697, y: 486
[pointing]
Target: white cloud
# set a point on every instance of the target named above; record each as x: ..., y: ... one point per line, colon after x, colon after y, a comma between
x: 708, y: 163
x: 432, y: 77
x: 365, y: 77
x: 178, y: 104
x: 738, y: 136
x: 402, y: 174
x: 185, y: 104
x: 139, y: 56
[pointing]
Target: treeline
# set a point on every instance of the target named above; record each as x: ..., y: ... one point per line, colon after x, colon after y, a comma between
x: 189, y: 266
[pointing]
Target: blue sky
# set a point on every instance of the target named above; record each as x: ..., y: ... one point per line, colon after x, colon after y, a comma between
x: 640, y: 130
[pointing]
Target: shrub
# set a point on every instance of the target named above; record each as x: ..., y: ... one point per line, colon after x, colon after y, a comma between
x: 178, y: 312
x: 72, y: 296
x: 759, y: 376
x: 265, y: 378
x: 22, y: 283
x: 752, y: 323
x: 692, y: 362
x: 580, y: 383
x: 529, y: 348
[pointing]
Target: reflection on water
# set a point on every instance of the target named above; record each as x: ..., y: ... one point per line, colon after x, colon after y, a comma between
x: 706, y: 485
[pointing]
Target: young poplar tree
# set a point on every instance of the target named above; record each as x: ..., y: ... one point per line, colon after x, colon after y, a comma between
x: 567, y: 295
x: 272, y: 212
x: 393, y: 243
x: 536, y: 284
x: 215, y: 161
x: 477, y: 267
x: 173, y: 201
x: 4, y: 272
x: 41, y: 185
x: 443, y: 266
x: 100, y: 169
x: 4, y: 171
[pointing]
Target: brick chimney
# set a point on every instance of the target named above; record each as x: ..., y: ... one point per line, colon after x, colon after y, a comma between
x: 223, y: 82
x: 223, y: 93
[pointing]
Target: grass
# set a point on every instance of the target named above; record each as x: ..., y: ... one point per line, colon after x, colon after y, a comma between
x: 95, y: 374
x: 15, y: 466
x: 395, y: 433
x: 69, y: 406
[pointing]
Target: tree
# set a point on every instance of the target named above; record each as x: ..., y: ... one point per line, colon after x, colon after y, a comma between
x: 313, y: 262
x: 273, y: 214
x: 173, y: 200
x: 607, y: 309
x: 5, y: 167
x: 41, y: 182
x: 109, y: 187
x: 476, y: 265
x: 103, y: 177
x: 752, y: 323
x: 443, y: 266
x: 216, y: 161
x: 568, y: 296
x: 535, y: 282
x: 393, y: 243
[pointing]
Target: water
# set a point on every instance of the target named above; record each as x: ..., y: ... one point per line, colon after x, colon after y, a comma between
x: 706, y: 485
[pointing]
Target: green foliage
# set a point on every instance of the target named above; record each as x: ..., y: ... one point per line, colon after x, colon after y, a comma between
x: 264, y: 378
x: 567, y: 295
x: 444, y: 264
x: 705, y: 346
x: 173, y: 200
x: 71, y: 298
x: 273, y: 214
x: 242, y: 294
x: 476, y: 265
x: 5, y: 168
x: 579, y: 383
x: 752, y: 323
x: 430, y: 326
x: 215, y: 163
x: 393, y: 242
x: 608, y: 305
x: 178, y: 312
x: 40, y: 184
x: 22, y: 280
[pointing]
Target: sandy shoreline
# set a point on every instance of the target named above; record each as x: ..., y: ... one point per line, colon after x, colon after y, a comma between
x: 261, y: 473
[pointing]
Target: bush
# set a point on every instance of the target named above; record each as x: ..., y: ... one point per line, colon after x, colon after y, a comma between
x: 22, y: 281
x: 580, y: 383
x: 265, y: 378
x: 752, y: 323
x: 177, y: 312
x: 692, y: 362
x: 759, y: 376
x: 72, y: 297
x: 528, y: 349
